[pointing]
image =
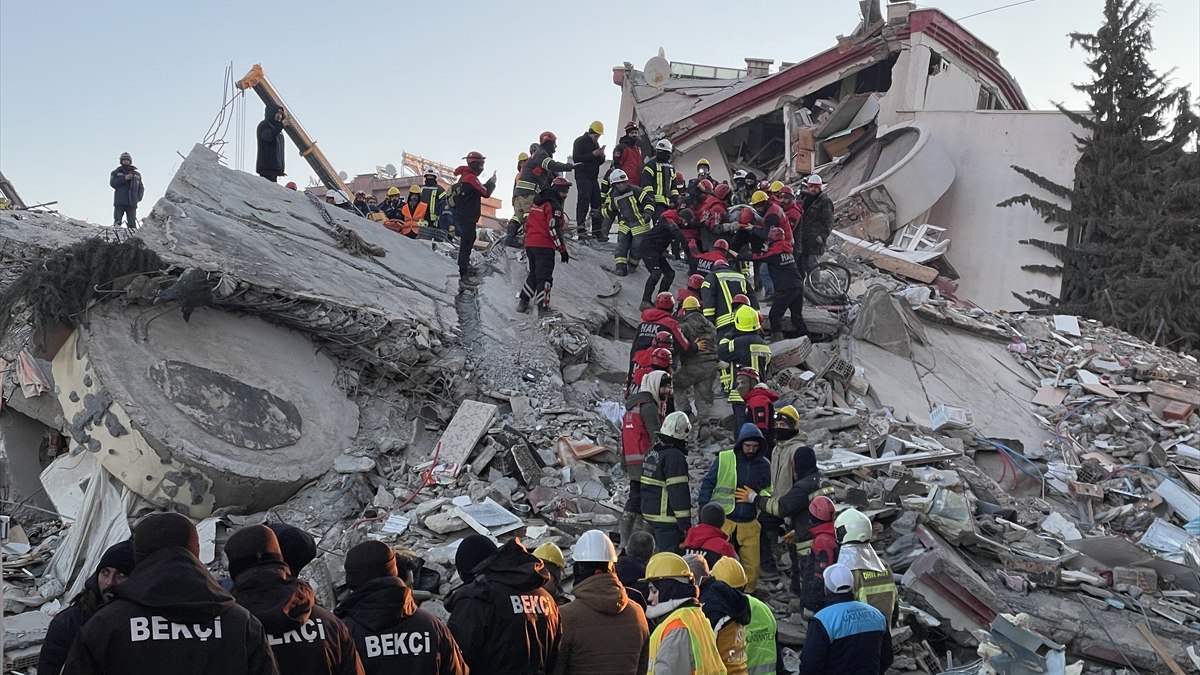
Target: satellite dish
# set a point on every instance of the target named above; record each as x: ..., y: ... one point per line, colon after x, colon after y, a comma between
x: 343, y: 175
x: 657, y: 69
x: 390, y: 169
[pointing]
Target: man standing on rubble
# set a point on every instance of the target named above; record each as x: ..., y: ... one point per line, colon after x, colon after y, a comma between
x: 666, y: 497
x: 269, y: 163
x: 305, y: 638
x: 504, y: 620
x: 847, y: 636
x: 658, y: 181
x: 642, y: 420
x: 468, y: 195
x: 815, y: 224
x: 535, y: 176
x: 128, y: 190
x: 544, y: 237
x: 873, y: 582
x: 170, y: 616
x: 741, y: 466
x: 627, y: 156
x: 588, y: 155
x: 716, y: 296
x: 434, y: 198
x: 115, y: 566
x: 604, y: 631
x: 698, y: 370
x: 624, y: 205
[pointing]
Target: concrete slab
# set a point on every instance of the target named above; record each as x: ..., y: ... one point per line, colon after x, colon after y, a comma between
x: 470, y: 423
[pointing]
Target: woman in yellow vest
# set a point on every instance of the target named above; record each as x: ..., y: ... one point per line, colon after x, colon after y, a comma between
x: 414, y: 214
x: 762, y: 657
x: 683, y: 641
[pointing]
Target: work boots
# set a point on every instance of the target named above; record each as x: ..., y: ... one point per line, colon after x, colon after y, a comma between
x: 523, y: 305
x: 512, y: 238
x: 622, y: 269
x: 776, y: 336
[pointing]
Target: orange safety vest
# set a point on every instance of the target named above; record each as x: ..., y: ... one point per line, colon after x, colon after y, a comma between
x: 413, y: 219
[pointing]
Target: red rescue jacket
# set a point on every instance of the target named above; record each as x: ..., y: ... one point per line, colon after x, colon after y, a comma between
x: 760, y: 407
x: 543, y: 225
x: 705, y: 537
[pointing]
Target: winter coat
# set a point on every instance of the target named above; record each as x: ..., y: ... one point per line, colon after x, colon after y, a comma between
x: 170, y: 616
x: 126, y: 192
x: 544, y: 224
x: 666, y: 497
x: 434, y: 198
x: 710, y: 542
x: 793, y: 504
x: 728, y: 611
x: 822, y: 554
x: 643, y: 418
x: 781, y: 263
x: 656, y: 242
x: 760, y: 408
x: 587, y: 164
x: 270, y: 143
x: 658, y: 186
x: 716, y: 296
x: 65, y: 626
x: 504, y: 621
x: 630, y: 572
x: 627, y: 156
x: 537, y: 173
x: 306, y: 639
x: 713, y: 212
x: 392, y: 207
x: 698, y: 363
x: 394, y: 636
x: 468, y: 193
x: 752, y: 472
x: 847, y: 636
x: 604, y: 632
x: 815, y: 224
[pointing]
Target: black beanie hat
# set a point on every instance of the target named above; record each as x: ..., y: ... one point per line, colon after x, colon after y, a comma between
x: 805, y: 460
x: 251, y: 546
x: 472, y: 551
x: 298, y: 547
x: 369, y: 560
x: 163, y: 530
x: 119, y: 557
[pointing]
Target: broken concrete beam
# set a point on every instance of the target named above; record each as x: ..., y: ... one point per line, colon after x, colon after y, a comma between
x: 951, y: 589
x: 888, y: 322
x: 881, y: 258
x: 469, y: 424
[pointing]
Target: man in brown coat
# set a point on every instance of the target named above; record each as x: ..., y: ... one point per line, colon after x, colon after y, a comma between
x: 604, y: 632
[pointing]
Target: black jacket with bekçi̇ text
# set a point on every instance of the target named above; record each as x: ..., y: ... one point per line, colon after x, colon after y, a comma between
x: 170, y: 616
x: 394, y: 636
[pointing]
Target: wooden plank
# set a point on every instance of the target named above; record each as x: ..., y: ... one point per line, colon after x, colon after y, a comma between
x: 470, y: 423
x: 1159, y: 649
x: 834, y: 467
x: 889, y: 263
x: 1176, y: 392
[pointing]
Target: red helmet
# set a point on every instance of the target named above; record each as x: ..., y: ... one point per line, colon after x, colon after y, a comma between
x: 679, y: 177
x: 751, y: 373
x: 630, y: 126
x: 764, y: 185
x: 547, y: 136
x: 664, y: 300
x: 662, y: 339
x: 560, y: 182
x: 721, y: 245
x: 706, y: 186
x: 695, y: 281
x: 741, y: 299
x: 722, y: 191
x: 787, y: 190
x: 776, y: 234
x: 660, y: 358
x: 822, y: 508
x: 721, y: 263
x: 474, y: 156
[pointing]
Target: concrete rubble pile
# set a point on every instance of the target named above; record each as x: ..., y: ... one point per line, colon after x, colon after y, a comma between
x: 1035, y: 479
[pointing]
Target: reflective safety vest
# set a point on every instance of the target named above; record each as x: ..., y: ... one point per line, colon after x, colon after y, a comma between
x: 635, y: 439
x: 413, y: 218
x: 706, y: 660
x: 658, y: 185
x: 760, y: 639
x: 654, y: 478
x: 877, y: 589
x: 723, y: 493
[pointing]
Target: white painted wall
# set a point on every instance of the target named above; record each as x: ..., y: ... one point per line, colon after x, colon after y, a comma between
x: 985, y: 246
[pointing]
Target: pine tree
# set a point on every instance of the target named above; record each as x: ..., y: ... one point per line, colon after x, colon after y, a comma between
x: 1132, y: 255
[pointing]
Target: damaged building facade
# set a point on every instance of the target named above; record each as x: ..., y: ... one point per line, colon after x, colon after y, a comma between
x: 911, y: 121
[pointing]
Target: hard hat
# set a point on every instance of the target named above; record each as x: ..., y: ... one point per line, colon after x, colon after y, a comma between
x: 839, y: 578
x: 630, y: 126
x: 474, y: 156
x: 721, y: 244
x: 787, y: 190
x: 360, y: 193
x: 695, y: 281
x: 292, y: 185
x: 560, y: 183
x: 775, y: 186
x: 679, y: 179
x: 430, y: 171
x: 739, y: 174
x: 720, y: 263
x: 546, y: 137
x: 702, y: 162
x: 746, y: 319
x: 722, y: 191
x: 705, y: 186
x: 660, y: 357
x: 664, y: 300
x: 776, y: 234
x: 596, y: 127
x: 790, y: 412
x: 414, y: 189
x: 852, y: 525
x: 690, y: 303
x: 338, y: 196
x: 758, y: 197
x: 594, y: 546
x: 749, y: 372
x: 822, y: 508
x: 393, y: 191
x: 676, y: 425
x: 663, y: 145
x: 618, y: 176
x: 763, y: 185
x: 814, y: 180
x: 667, y: 565
x: 662, y: 339
x: 551, y: 553
x: 741, y: 299
x: 523, y: 157
x: 731, y: 572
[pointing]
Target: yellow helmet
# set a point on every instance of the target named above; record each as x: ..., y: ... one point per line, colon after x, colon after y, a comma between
x: 393, y: 191
x: 551, y: 553
x: 414, y: 189
x: 667, y: 566
x: 691, y: 302
x: 758, y: 197
x: 746, y: 319
x: 596, y: 127
x: 731, y: 572
x: 791, y: 413
x: 702, y: 162
x: 523, y: 156
x: 776, y: 186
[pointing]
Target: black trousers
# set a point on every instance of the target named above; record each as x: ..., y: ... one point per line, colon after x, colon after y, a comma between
x: 541, y: 275
x: 587, y: 198
x: 790, y: 300
x: 667, y: 537
x: 659, y: 269
x: 466, y: 242
x: 128, y: 212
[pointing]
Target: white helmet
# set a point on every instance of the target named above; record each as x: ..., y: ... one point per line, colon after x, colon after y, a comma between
x: 664, y: 145
x: 814, y: 180
x: 430, y: 171
x: 739, y: 174
x: 852, y: 526
x: 338, y: 196
x: 676, y: 426
x: 618, y: 176
x: 594, y: 546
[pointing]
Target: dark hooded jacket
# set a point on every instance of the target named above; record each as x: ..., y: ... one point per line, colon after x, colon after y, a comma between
x: 752, y: 472
x: 631, y: 571
x: 602, y: 607
x: 394, y: 636
x: 728, y: 612
x: 170, y: 616
x: 468, y: 194
x: 270, y: 144
x: 65, y: 626
x: 303, y: 637
x: 504, y: 620
x: 126, y: 192
x: 793, y: 504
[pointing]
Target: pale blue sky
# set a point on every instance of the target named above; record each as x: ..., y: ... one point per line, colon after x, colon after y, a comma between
x: 81, y: 82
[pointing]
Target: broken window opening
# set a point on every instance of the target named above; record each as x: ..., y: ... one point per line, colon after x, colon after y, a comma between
x: 757, y: 145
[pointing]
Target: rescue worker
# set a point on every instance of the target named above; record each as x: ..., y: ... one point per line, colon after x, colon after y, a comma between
x: 644, y: 357
x: 815, y: 224
x: 627, y: 156
x: 503, y: 619
x: 643, y: 419
x: 760, y: 411
x: 706, y: 538
x: 714, y: 212
x: 683, y: 641
x: 706, y: 262
x: 847, y: 636
x: 742, y: 466
x: 625, y: 207
x: 691, y: 290
x: 588, y: 155
x: 822, y: 551
x: 658, y: 358
x: 297, y: 546
x: 543, y: 238
x: 728, y: 611
x: 653, y: 251
x: 552, y: 557
x: 763, y: 656
x: 128, y: 190
x: 769, y: 215
x: 468, y: 193
x: 717, y: 293
x: 535, y: 177
x: 745, y: 184
x: 339, y: 199
x: 689, y: 226
x: 434, y: 199
x: 695, y: 191
x: 793, y: 209
x: 658, y: 181
x: 360, y: 203
x: 873, y: 580
x: 788, y: 283
x: 698, y: 366
x: 392, y: 634
x: 601, y: 608
x: 115, y: 566
x: 743, y: 350
x: 269, y: 161
x: 666, y: 497
x: 304, y: 637
x: 656, y: 319
x: 631, y: 565
x: 392, y: 204
x: 170, y: 616
x: 414, y: 214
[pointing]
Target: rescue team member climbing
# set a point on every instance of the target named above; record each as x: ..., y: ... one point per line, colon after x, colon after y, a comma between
x: 624, y: 205
x: 543, y: 238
